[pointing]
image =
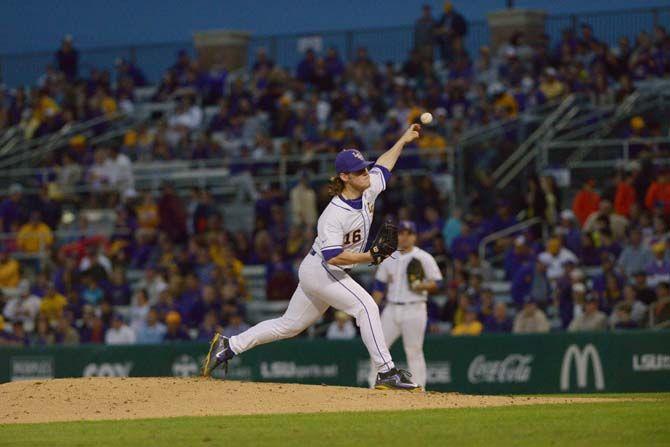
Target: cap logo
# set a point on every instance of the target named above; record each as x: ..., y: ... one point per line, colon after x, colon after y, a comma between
x: 358, y: 155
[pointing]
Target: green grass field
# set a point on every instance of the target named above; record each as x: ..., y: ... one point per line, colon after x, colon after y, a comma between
x: 643, y: 421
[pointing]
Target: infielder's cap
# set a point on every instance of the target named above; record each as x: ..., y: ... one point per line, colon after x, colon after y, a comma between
x: 407, y: 225
x: 351, y: 160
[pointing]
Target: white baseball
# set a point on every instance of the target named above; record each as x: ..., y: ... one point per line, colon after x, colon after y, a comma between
x: 426, y: 118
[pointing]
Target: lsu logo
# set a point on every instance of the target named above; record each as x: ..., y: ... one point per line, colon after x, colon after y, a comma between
x: 357, y: 154
x: 371, y: 208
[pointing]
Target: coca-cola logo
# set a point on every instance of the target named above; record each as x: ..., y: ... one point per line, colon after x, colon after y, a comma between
x: 514, y: 368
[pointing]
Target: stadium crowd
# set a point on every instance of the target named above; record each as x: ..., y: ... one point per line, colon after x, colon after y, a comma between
x: 68, y: 289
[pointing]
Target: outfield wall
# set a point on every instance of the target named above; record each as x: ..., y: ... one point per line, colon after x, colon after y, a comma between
x: 489, y: 364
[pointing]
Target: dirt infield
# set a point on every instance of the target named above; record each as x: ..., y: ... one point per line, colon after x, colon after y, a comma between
x: 135, y: 398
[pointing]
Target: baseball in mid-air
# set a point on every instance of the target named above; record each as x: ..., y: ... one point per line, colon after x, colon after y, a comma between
x: 426, y: 118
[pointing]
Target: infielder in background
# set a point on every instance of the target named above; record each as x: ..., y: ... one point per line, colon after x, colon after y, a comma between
x: 407, y: 277
x: 342, y: 233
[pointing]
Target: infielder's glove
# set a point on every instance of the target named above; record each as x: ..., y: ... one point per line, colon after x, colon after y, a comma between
x: 415, y: 273
x: 385, y: 243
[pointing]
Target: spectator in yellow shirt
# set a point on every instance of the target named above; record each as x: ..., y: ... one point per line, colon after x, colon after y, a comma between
x: 147, y: 213
x: 470, y: 324
x: 34, y: 236
x: 551, y: 86
x: 432, y: 142
x: 53, y: 304
x: 10, y: 273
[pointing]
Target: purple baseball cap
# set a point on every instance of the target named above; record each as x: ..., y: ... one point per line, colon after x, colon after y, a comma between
x: 351, y: 160
x: 407, y: 225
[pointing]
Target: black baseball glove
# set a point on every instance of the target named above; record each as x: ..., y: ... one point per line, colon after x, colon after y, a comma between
x: 385, y: 243
x: 415, y: 273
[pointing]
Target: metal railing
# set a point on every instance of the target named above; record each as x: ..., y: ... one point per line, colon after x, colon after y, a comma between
x: 383, y: 44
x: 504, y: 233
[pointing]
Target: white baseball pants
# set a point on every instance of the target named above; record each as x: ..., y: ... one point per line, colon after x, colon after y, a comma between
x: 321, y: 286
x: 408, y: 321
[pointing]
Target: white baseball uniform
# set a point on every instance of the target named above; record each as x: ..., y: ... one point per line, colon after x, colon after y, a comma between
x: 343, y: 225
x: 405, y: 312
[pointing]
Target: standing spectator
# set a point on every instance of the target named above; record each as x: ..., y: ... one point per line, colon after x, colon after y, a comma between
x: 658, y: 194
x: 303, y: 203
x: 117, y: 290
x: 172, y: 215
x: 152, y: 331
x: 591, y: 319
x: 53, y: 304
x: 67, y: 58
x: 10, y: 270
x: 634, y: 256
x: 634, y: 311
x: 423, y: 33
x: 586, y: 201
x: 530, y: 319
x: 139, y: 310
x: 499, y: 321
x: 119, y: 333
x: 625, y: 196
x: 342, y: 328
x: 450, y: 27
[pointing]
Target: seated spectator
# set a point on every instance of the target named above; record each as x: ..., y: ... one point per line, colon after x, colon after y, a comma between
x: 236, y: 325
x: 152, y: 331
x: 92, y: 293
x: 341, y: 328
x: 550, y: 86
x: 658, y: 270
x: 139, y: 310
x: 175, y: 332
x: 35, y: 236
x: 530, y: 319
x: 209, y: 327
x: 117, y: 290
x: 634, y: 256
x: 622, y: 319
x: 555, y: 258
x: 119, y: 333
x: 466, y: 242
x: 10, y: 273
x: 43, y: 335
x: 569, y: 231
x: 614, y: 223
x: 661, y: 308
x: 65, y: 334
x: 591, y: 319
x: 658, y: 194
x: 499, y: 322
x: 24, y: 307
x: 470, y: 324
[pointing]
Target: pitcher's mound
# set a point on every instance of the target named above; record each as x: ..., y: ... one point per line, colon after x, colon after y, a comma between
x: 135, y: 398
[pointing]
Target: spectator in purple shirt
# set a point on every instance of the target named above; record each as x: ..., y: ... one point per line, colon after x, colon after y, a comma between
x: 12, y: 209
x: 498, y: 322
x: 464, y: 243
x: 187, y: 303
x: 306, y: 66
x: 67, y: 58
x: 334, y: 64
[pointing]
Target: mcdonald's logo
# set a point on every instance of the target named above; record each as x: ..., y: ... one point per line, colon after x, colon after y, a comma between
x: 582, y: 358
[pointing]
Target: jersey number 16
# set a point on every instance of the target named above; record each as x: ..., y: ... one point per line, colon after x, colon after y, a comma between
x: 353, y: 237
